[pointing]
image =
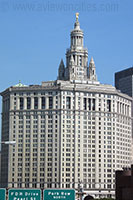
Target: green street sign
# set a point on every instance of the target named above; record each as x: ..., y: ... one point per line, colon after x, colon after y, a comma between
x: 24, y: 194
x: 2, y: 194
x: 58, y: 194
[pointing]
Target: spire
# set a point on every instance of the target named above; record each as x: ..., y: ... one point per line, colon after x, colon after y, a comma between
x: 61, y: 64
x: 92, y: 70
x: 61, y: 70
x: 92, y: 61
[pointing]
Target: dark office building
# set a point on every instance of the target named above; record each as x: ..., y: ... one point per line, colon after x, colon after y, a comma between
x: 124, y: 81
x: 124, y: 184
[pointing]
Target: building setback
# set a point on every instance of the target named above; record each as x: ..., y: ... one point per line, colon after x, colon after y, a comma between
x: 67, y: 131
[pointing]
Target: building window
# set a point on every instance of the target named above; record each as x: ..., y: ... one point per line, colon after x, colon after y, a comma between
x: 50, y: 102
x: 93, y: 104
x: 68, y: 102
x: 80, y: 60
x: 21, y: 103
x: 28, y: 102
x: 35, y: 102
x: 43, y: 102
x: 89, y: 102
x: 108, y: 105
x: 85, y: 104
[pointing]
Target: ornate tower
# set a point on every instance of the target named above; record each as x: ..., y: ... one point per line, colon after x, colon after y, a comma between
x: 77, y: 59
x: 76, y: 55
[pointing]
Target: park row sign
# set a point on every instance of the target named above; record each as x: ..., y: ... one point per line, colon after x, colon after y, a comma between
x: 35, y: 194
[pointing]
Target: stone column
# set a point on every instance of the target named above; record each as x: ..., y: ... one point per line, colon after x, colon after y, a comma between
x: 31, y: 151
x: 16, y: 153
x: 32, y: 103
x: 46, y: 151
x: 11, y: 103
x: 25, y: 103
x: 54, y: 102
x: 17, y: 103
x: 47, y: 102
x: 96, y: 103
x: 53, y: 154
x: 39, y: 103
x: 76, y: 59
x: 97, y: 152
x: 10, y: 157
x: 38, y: 152
x: 23, y: 158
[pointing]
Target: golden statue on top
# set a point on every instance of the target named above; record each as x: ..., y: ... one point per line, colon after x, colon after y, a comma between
x: 77, y: 16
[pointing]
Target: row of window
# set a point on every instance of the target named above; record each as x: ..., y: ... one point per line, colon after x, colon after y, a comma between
x: 88, y: 104
x: 50, y: 100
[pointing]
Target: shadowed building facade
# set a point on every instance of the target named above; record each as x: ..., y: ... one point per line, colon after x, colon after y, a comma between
x: 69, y: 130
x: 124, y: 184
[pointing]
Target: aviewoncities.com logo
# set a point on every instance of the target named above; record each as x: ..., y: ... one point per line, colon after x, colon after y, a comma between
x: 49, y: 6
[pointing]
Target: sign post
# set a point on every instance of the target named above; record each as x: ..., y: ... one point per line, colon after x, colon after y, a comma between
x: 24, y: 194
x: 2, y: 194
x: 58, y: 194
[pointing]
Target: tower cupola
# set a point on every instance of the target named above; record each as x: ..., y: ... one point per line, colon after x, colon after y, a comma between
x: 77, y: 35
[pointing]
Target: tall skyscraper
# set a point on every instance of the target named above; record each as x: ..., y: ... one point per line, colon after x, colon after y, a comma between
x: 67, y: 131
x: 124, y: 81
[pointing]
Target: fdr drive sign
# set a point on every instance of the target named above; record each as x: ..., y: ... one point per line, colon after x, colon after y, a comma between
x: 24, y: 194
x: 2, y: 194
x: 58, y: 194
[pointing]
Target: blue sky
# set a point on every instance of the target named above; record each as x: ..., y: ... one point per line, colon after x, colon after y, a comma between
x: 34, y: 36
